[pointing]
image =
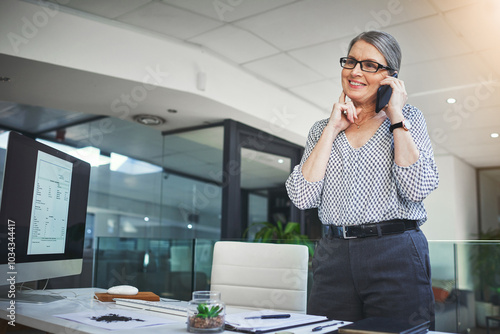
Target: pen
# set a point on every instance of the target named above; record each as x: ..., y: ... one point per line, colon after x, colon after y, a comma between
x: 315, y: 329
x: 270, y: 316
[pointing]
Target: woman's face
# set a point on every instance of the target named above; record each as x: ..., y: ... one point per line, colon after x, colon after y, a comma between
x: 360, y: 86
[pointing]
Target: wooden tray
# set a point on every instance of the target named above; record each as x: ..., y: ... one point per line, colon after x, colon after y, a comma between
x: 106, y: 297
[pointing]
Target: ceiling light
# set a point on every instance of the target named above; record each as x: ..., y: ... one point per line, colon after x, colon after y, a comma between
x: 494, y: 135
x: 172, y: 111
x: 280, y: 161
x: 190, y: 226
x: 150, y: 120
x: 451, y: 100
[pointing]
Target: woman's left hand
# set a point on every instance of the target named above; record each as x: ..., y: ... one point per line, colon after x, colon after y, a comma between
x: 394, y: 109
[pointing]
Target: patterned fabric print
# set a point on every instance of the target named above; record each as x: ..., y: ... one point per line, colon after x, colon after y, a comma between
x: 364, y: 185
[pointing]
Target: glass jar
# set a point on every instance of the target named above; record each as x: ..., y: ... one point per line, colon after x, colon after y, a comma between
x: 206, y: 312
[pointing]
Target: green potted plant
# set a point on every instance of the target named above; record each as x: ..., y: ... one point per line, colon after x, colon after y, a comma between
x: 288, y: 233
x: 207, y: 318
x: 206, y: 313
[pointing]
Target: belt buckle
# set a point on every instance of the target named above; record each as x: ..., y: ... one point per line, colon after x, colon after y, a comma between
x: 344, y: 231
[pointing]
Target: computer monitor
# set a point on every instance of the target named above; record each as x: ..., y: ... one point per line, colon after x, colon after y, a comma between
x: 42, y: 214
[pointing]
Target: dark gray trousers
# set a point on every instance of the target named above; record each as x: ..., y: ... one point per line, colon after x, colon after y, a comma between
x: 387, y: 276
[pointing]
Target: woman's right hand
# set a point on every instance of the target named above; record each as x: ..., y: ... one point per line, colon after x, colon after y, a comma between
x: 343, y: 113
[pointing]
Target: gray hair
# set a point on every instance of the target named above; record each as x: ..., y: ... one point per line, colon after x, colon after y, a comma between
x: 385, y: 43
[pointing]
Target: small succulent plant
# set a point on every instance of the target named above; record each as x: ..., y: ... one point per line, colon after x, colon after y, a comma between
x: 206, y: 312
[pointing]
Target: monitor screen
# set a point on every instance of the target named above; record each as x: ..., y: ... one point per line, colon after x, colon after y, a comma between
x: 43, y: 211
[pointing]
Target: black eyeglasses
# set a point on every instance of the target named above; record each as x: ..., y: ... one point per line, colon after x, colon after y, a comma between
x: 366, y: 65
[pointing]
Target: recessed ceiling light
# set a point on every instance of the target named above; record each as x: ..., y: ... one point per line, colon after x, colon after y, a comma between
x: 494, y: 135
x: 451, y: 100
x: 280, y: 161
x: 150, y: 120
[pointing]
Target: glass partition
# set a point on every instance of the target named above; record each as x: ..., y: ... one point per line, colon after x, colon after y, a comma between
x: 191, y: 194
x: 169, y: 268
x: 145, y: 184
x: 466, y: 284
x: 264, y: 197
x: 125, y: 182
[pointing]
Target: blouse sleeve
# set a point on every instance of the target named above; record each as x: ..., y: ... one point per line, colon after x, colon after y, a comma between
x: 302, y: 193
x: 415, y: 182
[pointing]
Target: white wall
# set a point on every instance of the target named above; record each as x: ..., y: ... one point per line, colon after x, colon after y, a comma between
x: 452, y: 207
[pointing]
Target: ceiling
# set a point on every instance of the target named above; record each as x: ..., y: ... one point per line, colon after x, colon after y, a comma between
x: 450, y: 49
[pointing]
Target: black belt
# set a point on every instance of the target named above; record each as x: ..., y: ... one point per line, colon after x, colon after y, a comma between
x: 370, y: 230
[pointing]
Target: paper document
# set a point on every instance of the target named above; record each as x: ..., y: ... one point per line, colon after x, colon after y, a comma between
x: 116, y: 319
x: 240, y: 322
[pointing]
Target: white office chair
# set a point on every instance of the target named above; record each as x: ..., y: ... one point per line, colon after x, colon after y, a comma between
x: 260, y: 275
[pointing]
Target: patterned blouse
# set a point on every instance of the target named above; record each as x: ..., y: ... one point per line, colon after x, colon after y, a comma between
x: 364, y: 185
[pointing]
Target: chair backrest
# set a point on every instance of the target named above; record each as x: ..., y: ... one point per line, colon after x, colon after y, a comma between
x: 260, y: 275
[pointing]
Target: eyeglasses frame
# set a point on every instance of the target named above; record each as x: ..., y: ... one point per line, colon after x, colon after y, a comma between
x: 360, y: 62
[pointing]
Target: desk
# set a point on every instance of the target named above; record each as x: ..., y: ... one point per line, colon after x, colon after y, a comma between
x: 41, y: 316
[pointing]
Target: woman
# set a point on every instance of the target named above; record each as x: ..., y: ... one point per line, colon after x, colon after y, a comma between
x: 368, y: 173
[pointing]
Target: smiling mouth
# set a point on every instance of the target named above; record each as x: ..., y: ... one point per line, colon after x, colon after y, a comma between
x: 356, y: 83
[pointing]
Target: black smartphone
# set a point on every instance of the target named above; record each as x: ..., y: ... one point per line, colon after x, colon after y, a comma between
x: 384, y: 95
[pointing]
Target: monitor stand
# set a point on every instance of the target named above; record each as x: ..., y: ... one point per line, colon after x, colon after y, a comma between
x: 32, y: 296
